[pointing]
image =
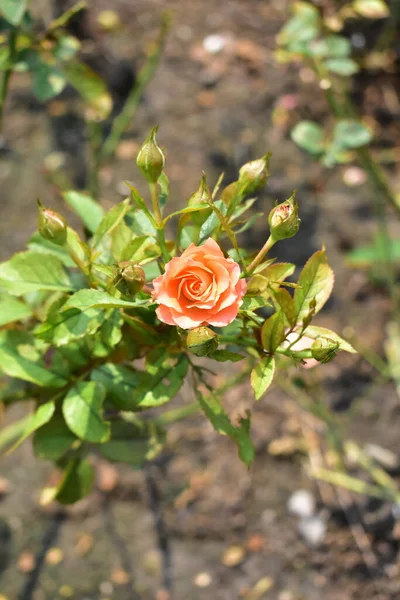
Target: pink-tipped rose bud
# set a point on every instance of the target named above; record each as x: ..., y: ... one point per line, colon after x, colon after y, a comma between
x: 284, y: 219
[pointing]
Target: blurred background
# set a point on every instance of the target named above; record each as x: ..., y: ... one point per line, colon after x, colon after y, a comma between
x: 196, y: 524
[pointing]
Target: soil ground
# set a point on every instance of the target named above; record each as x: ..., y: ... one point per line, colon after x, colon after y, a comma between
x: 216, y: 112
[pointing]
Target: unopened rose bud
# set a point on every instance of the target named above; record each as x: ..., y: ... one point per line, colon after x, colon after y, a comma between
x: 151, y: 159
x: 129, y: 279
x: 284, y: 220
x: 253, y: 175
x: 201, y: 195
x: 52, y: 226
x: 202, y: 341
x: 324, y: 349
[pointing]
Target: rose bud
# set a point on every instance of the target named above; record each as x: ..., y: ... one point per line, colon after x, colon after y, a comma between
x: 151, y: 159
x: 253, y: 175
x: 283, y: 220
x: 324, y: 349
x: 52, y: 226
x: 202, y: 341
x: 129, y: 279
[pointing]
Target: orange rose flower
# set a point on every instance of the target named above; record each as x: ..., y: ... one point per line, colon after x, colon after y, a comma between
x: 201, y: 287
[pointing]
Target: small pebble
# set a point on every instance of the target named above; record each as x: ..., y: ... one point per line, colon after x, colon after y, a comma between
x: 313, y: 530
x: 26, y: 562
x: 202, y: 580
x: 354, y: 176
x: 54, y: 556
x: 109, y: 20
x: 233, y: 556
x: 120, y: 577
x: 106, y: 588
x: 213, y: 44
x: 66, y: 591
x: 301, y: 504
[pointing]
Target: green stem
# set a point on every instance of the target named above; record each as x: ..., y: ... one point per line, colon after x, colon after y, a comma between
x: 263, y: 252
x: 6, y: 76
x: 177, y: 414
x: 159, y: 222
x: 123, y: 120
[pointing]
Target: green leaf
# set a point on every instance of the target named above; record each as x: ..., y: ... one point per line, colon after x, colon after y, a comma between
x: 47, y: 81
x: 140, y: 250
x: 86, y: 299
x: 88, y: 210
x: 13, y: 10
x: 378, y: 253
x: 66, y: 47
x: 303, y: 26
x: 262, y: 376
x: 225, y: 355
x: 213, y: 410
x: 273, y: 331
x: 163, y: 379
x: 111, y: 330
x: 270, y: 276
x: 69, y: 325
x: 309, y: 136
x: 133, y: 443
x: 315, y: 283
x: 39, y: 244
x: 29, y: 271
x: 75, y: 485
x: 53, y: 439
x: 102, y: 240
x: 19, y: 358
x: 40, y: 417
x: 315, y: 332
x: 10, y: 433
x: 189, y: 209
x: 12, y: 310
x: 342, y: 66
x: 251, y: 303
x: 82, y: 411
x: 212, y: 222
x: 331, y: 46
x: 91, y: 87
x: 371, y: 9
x: 349, y: 134
x: 283, y: 301
x: 142, y: 332
x: 120, y: 383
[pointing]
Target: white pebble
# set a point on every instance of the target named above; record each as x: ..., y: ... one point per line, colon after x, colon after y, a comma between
x: 301, y: 504
x: 313, y: 530
x: 213, y: 44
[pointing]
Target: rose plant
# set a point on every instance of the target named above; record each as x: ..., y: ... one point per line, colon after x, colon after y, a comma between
x: 100, y: 329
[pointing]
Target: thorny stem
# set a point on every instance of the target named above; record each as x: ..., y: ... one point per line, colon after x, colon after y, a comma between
x: 7, y: 73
